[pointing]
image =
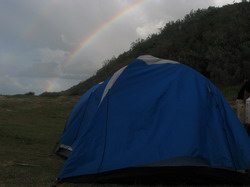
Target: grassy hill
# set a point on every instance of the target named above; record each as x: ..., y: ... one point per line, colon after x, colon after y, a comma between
x: 214, y: 41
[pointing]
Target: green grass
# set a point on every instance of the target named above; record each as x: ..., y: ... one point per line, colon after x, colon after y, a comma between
x: 29, y: 128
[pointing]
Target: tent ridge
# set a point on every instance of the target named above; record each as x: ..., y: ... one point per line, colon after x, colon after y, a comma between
x: 149, y: 60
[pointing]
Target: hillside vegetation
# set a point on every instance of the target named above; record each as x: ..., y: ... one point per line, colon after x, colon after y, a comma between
x: 214, y: 41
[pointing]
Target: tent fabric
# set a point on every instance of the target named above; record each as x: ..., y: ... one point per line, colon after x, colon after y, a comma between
x: 112, y: 81
x: 81, y: 113
x: 154, y: 112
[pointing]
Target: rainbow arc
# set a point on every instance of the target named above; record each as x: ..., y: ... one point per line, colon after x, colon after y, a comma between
x: 87, y: 40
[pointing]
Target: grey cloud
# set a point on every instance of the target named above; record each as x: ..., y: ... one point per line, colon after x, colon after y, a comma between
x: 41, y: 70
x: 82, y: 67
x: 10, y: 85
x: 77, y: 77
x: 37, y: 36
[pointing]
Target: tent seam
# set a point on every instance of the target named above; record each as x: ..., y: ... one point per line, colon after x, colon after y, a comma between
x: 84, y: 112
x: 105, y: 136
x: 225, y: 131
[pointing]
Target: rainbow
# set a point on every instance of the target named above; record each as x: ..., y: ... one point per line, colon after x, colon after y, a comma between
x: 100, y: 29
x: 84, y: 43
x: 51, y: 84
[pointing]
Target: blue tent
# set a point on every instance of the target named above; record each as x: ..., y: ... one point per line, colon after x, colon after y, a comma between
x: 83, y: 111
x: 153, y: 113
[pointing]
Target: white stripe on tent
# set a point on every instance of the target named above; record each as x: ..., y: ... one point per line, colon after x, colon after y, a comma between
x: 111, y: 82
x: 148, y: 59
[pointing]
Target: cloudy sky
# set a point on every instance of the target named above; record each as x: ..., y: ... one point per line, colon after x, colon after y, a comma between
x: 51, y: 45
